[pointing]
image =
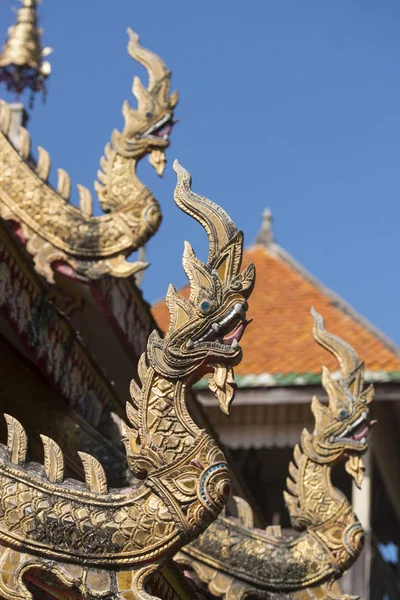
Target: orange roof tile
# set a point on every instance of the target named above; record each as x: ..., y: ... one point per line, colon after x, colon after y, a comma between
x: 280, y: 339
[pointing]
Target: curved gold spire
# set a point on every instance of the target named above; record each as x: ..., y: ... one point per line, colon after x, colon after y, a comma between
x: 21, y: 60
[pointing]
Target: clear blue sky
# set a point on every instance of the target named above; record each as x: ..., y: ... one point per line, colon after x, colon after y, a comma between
x: 292, y: 105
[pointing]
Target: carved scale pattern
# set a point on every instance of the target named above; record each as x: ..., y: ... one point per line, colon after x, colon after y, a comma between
x: 266, y: 565
x: 87, y: 534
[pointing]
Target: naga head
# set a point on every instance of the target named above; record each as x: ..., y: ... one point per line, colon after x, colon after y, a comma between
x: 205, y: 330
x: 147, y: 129
x: 342, y: 426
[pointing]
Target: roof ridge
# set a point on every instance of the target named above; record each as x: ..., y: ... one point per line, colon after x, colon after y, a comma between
x: 276, y: 250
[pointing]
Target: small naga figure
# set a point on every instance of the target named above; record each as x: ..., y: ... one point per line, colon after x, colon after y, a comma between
x: 59, y: 234
x: 237, y: 561
x: 106, y: 542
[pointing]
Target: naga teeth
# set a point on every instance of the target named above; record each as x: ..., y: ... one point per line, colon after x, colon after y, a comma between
x: 341, y: 435
x: 215, y: 327
x: 363, y: 440
x: 159, y: 123
x: 362, y: 418
x: 332, y: 439
x: 238, y: 308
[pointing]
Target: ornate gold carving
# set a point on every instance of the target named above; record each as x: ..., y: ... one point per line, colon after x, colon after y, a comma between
x: 53, y: 460
x: 106, y: 542
x: 17, y: 443
x: 58, y: 231
x: 259, y: 563
x: 95, y: 476
x: 21, y: 60
x: 43, y: 164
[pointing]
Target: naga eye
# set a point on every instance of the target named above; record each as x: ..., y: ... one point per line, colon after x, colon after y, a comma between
x: 205, y: 306
x: 149, y: 115
x: 343, y: 413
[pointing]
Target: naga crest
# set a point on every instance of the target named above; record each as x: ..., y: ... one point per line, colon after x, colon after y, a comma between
x: 147, y: 129
x: 205, y: 330
x: 341, y: 427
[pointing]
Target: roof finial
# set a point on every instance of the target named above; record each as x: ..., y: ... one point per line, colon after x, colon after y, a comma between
x: 266, y: 235
x: 21, y: 60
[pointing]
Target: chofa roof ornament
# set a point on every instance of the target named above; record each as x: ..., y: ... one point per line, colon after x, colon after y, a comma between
x: 22, y: 64
x: 107, y: 542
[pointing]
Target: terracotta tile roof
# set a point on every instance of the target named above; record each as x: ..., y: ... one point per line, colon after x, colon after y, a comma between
x: 280, y: 342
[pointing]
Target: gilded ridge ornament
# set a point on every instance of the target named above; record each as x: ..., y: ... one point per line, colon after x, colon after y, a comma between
x: 60, y: 235
x: 106, y: 542
x: 22, y: 63
x: 236, y: 561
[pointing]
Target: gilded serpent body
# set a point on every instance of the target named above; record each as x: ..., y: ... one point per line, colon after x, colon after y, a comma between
x: 108, y: 541
x: 237, y: 561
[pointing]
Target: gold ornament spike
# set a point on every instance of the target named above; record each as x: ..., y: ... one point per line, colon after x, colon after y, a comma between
x: 132, y: 415
x: 64, y: 184
x: 5, y: 117
x: 24, y: 148
x: 17, y: 441
x: 104, y: 173
x: 244, y: 511
x: 135, y: 393
x: 95, y: 476
x: 21, y: 60
x: 129, y: 439
x: 292, y: 487
x: 142, y: 368
x: 297, y: 454
x: 53, y: 460
x: 85, y: 200
x: 43, y: 164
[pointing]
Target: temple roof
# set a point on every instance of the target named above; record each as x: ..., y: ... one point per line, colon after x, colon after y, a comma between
x: 278, y: 348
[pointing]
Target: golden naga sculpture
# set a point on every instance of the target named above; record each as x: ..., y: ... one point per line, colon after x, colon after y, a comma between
x: 106, y: 542
x: 21, y: 60
x: 70, y: 238
x: 237, y: 561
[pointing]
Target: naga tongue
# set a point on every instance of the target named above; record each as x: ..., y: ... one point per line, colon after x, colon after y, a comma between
x: 166, y: 129
x: 365, y: 431
x: 237, y: 333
